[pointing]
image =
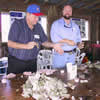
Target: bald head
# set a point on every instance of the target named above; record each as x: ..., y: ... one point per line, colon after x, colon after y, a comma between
x: 67, y: 12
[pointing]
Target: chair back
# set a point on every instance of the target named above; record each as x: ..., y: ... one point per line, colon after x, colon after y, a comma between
x: 3, y: 65
x: 79, y: 56
x: 44, y: 59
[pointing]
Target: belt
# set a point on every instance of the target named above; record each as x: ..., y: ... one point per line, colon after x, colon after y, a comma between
x: 71, y: 51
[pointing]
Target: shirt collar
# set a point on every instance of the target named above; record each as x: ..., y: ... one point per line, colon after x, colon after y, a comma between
x: 67, y: 25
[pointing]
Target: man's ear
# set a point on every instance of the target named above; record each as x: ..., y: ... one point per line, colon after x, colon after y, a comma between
x: 28, y: 14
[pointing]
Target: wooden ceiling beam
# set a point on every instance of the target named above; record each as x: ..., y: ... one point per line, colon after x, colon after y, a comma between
x: 82, y: 11
x: 96, y: 7
x: 26, y: 1
x: 78, y: 2
x: 97, y: 13
x: 90, y: 4
x: 61, y: 3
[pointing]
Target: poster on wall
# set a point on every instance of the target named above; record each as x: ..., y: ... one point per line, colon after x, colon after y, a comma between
x: 83, y: 25
x: 16, y: 15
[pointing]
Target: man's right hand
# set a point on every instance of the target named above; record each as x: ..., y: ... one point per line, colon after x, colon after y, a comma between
x: 31, y: 45
x: 58, y: 48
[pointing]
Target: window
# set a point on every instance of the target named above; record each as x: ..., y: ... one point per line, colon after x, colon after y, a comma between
x: 5, y: 26
x: 84, y: 28
x: 43, y: 22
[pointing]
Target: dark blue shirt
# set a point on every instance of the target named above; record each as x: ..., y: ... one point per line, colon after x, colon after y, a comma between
x: 21, y: 33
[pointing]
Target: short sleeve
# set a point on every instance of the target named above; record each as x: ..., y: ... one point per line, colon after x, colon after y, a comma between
x: 54, y: 33
x: 14, y: 31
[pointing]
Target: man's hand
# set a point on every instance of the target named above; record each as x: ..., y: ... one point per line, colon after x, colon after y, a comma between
x: 81, y: 45
x: 30, y: 45
x: 58, y: 48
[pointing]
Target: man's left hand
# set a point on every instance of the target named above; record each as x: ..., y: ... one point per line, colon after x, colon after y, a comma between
x: 81, y: 45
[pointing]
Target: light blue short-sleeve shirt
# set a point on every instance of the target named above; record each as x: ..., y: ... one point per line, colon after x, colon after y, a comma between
x: 61, y: 30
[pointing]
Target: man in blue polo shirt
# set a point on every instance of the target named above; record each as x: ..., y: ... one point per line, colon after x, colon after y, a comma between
x: 65, y: 31
x: 25, y: 37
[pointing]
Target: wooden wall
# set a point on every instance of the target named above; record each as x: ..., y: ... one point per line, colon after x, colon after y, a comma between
x: 94, y: 20
x: 94, y: 23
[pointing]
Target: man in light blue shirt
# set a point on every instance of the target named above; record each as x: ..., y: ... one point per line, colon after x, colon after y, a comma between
x: 65, y: 31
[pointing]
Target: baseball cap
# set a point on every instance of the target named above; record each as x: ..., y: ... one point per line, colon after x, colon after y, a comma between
x: 34, y: 9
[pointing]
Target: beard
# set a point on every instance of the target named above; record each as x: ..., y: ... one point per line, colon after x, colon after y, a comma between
x: 67, y: 17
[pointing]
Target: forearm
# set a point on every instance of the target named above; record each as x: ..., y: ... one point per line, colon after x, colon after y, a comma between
x: 55, y: 46
x: 69, y: 42
x: 48, y: 44
x: 16, y: 45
